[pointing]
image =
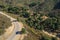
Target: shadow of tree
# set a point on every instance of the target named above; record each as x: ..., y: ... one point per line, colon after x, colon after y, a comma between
x: 57, y: 6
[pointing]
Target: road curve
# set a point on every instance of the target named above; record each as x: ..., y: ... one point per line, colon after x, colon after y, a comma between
x: 16, y: 24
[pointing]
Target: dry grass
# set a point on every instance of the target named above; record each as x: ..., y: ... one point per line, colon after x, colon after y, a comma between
x: 4, y: 23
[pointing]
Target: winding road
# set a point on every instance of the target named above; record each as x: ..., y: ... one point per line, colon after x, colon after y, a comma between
x: 16, y: 24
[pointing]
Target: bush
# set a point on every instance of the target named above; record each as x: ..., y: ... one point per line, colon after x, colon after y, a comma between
x: 23, y: 31
x: 32, y: 4
x: 25, y: 14
x: 14, y: 10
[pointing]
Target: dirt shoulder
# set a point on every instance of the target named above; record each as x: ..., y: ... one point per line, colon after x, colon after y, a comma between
x: 7, y: 33
x: 50, y: 34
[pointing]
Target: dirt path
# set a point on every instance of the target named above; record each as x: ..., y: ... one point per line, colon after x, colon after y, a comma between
x: 50, y: 34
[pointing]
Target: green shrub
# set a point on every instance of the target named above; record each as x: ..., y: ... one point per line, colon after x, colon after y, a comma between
x: 23, y: 31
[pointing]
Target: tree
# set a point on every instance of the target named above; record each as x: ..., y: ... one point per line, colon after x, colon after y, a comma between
x: 23, y: 31
x: 25, y: 14
x: 32, y: 4
x: 14, y: 10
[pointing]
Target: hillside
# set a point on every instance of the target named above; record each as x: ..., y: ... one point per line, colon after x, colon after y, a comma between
x: 4, y: 23
x: 25, y: 2
x: 37, y: 15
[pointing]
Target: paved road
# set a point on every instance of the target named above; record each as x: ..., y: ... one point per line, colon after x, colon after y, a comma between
x: 16, y: 24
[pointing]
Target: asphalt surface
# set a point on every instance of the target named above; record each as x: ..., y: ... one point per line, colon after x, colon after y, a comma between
x: 16, y: 24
